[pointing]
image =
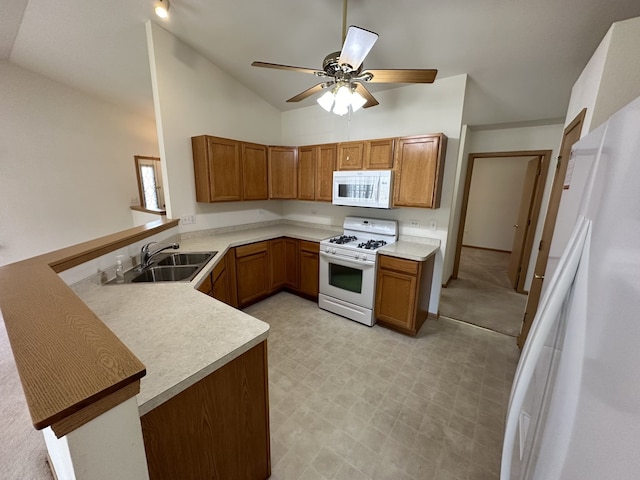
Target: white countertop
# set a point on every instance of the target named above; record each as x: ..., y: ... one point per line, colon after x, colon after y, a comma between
x: 182, y: 335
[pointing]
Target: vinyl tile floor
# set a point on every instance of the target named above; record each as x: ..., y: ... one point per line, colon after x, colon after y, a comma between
x: 352, y: 402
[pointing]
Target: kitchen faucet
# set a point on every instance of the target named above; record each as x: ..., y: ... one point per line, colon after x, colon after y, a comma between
x: 146, y: 255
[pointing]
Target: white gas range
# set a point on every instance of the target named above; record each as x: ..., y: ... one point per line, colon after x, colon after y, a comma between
x: 348, y: 267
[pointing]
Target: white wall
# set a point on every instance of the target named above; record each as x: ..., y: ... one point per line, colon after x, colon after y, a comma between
x: 409, y: 110
x: 610, y: 79
x: 192, y: 96
x: 494, y: 202
x: 67, y: 173
x: 544, y: 137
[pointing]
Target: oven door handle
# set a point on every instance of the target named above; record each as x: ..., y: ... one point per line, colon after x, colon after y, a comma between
x: 350, y: 261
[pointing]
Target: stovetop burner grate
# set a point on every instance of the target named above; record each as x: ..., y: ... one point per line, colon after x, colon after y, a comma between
x: 343, y: 239
x: 372, y: 244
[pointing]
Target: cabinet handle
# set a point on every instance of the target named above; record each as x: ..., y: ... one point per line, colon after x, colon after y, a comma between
x: 516, y: 226
x: 538, y: 277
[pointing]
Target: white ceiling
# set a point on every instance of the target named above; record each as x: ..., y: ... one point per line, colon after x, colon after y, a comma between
x: 522, y: 57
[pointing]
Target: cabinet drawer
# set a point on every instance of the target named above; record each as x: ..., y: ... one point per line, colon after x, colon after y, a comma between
x: 399, y: 264
x: 312, y: 247
x: 251, y: 249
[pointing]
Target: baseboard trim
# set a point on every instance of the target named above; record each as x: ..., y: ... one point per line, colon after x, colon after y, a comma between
x: 487, y: 248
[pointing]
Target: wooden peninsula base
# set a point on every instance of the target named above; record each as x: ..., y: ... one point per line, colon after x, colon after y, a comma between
x: 216, y: 429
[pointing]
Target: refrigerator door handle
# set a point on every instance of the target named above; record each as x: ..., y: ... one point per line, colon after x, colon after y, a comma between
x: 549, y: 310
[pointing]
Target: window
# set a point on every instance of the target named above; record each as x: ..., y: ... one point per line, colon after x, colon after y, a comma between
x: 149, y: 182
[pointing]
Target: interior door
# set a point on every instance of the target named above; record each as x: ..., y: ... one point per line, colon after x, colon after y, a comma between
x: 570, y: 136
x: 523, y: 223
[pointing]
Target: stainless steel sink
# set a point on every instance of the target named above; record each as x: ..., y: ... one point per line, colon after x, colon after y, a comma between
x: 174, y: 273
x: 185, y: 258
x: 170, y: 267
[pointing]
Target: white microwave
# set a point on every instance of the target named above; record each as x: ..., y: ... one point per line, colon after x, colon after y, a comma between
x: 363, y: 188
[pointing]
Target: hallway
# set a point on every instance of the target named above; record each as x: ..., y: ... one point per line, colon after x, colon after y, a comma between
x: 482, y: 295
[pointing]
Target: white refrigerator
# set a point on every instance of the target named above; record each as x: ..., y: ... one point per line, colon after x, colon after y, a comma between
x: 574, y: 412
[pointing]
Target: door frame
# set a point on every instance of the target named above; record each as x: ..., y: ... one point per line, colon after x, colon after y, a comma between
x: 575, y: 126
x: 544, y: 159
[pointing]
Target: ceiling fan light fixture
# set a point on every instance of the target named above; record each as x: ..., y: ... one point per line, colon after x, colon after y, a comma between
x: 357, y: 101
x: 161, y: 7
x: 326, y: 100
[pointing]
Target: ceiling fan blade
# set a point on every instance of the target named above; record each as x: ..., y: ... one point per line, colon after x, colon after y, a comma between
x: 308, y: 92
x: 362, y: 90
x: 356, y: 46
x: 288, y: 67
x: 402, y: 76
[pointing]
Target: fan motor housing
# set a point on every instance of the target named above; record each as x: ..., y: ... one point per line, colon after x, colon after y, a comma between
x: 331, y: 66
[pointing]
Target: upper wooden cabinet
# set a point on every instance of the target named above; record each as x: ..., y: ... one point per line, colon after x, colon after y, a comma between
x: 218, y: 169
x: 228, y: 170
x: 366, y: 154
x: 316, y: 164
x: 283, y: 172
x: 307, y: 173
x: 418, y: 171
x: 254, y: 172
x: 350, y: 155
x: 378, y: 154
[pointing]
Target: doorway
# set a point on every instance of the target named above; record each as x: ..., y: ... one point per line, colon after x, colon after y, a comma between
x: 500, y: 208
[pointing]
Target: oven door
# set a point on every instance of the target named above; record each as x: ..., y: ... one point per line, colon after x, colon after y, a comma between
x: 346, y: 279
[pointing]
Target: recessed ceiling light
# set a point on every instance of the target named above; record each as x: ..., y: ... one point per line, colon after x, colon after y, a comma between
x: 161, y: 8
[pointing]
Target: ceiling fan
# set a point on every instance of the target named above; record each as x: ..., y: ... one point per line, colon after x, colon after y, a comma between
x: 345, y: 74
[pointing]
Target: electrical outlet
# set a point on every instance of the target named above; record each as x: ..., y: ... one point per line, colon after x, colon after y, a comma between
x: 188, y: 219
x: 415, y: 223
x: 433, y: 225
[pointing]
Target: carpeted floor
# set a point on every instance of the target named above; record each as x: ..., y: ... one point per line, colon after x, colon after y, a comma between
x: 482, y: 295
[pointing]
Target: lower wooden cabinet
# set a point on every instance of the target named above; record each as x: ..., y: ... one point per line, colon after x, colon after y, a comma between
x: 403, y: 291
x: 252, y: 272
x: 217, y: 429
x: 220, y: 283
x: 309, y: 268
x: 292, y: 263
x: 277, y: 264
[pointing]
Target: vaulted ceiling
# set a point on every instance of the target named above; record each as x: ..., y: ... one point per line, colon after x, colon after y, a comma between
x: 522, y: 57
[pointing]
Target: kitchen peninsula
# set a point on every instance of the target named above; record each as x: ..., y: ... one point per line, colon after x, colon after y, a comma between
x: 180, y: 335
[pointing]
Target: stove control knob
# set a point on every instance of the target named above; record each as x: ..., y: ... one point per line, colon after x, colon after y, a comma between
x: 364, y: 258
x: 333, y: 250
x: 357, y: 256
x: 326, y: 249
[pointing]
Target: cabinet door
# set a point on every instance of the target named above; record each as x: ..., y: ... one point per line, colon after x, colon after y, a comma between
x: 283, y: 172
x: 306, y: 173
x: 395, y: 298
x: 206, y: 286
x: 232, y: 283
x: 277, y: 262
x: 309, y: 268
x: 325, y: 166
x: 252, y: 272
x: 350, y: 155
x: 419, y: 169
x: 254, y: 172
x: 378, y: 154
x: 221, y: 287
x: 292, y: 271
x: 225, y: 171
